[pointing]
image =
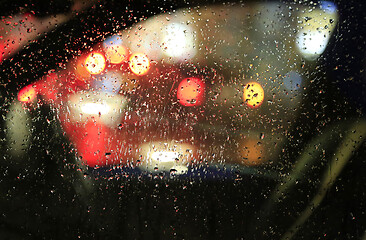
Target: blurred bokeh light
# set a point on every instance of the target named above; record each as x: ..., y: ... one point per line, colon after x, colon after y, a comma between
x: 253, y: 94
x: 191, y: 92
x: 114, y: 50
x: 95, y: 63
x: 139, y: 64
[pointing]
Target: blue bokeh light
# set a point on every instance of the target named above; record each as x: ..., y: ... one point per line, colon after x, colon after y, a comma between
x: 110, y: 82
x: 292, y: 81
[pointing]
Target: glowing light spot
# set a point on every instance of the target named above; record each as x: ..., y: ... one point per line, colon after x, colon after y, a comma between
x: 312, y: 43
x: 328, y: 6
x: 115, y: 52
x: 292, y: 81
x: 251, y: 152
x: 253, y: 94
x: 165, y: 156
x: 178, y: 41
x: 139, y: 64
x: 95, y: 108
x: 109, y: 82
x: 2, y: 46
x: 27, y: 94
x: 80, y: 69
x: 147, y: 38
x: 315, y: 28
x: 106, y: 108
x: 91, y: 144
x: 191, y: 92
x: 95, y: 63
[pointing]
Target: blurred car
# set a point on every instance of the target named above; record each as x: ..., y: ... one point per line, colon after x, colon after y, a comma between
x: 220, y: 99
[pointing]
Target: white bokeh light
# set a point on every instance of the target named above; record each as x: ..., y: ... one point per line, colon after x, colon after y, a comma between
x: 166, y: 156
x: 97, y: 105
x: 95, y: 108
x: 162, y: 156
x: 178, y: 41
x: 312, y: 43
x: 315, y: 26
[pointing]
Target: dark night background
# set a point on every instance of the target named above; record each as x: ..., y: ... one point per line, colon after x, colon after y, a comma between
x: 38, y: 203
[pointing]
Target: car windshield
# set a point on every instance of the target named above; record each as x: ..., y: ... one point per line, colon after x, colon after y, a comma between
x: 184, y: 120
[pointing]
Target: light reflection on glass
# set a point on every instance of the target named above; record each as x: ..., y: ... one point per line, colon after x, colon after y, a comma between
x: 253, y: 94
x: 165, y: 156
x: 312, y: 43
x: 95, y: 108
x: 115, y: 52
x: 251, y: 152
x: 315, y: 28
x: 95, y: 63
x: 84, y: 106
x: 27, y: 94
x: 292, y: 81
x: 139, y: 64
x: 178, y: 41
x: 109, y: 82
x: 191, y: 92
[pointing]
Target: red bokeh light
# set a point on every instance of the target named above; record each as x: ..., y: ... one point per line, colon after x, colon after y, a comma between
x: 91, y: 144
x: 27, y: 94
x: 191, y: 92
x: 96, y: 143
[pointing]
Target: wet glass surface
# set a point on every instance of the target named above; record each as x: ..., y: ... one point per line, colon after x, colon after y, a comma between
x: 183, y: 120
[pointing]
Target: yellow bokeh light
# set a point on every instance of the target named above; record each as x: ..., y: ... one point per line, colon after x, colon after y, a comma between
x: 27, y: 94
x: 253, y: 94
x: 139, y: 64
x: 95, y: 63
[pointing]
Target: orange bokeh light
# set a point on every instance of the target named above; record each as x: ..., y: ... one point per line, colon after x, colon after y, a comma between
x: 251, y: 152
x: 80, y: 69
x: 95, y: 63
x: 139, y: 64
x: 253, y: 94
x: 191, y: 92
x: 116, y: 54
x: 27, y: 94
